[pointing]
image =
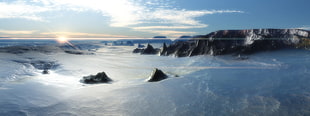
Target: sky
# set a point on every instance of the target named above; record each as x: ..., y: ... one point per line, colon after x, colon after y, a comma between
x: 145, y: 18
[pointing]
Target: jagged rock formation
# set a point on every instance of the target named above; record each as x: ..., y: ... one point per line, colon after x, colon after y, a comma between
x: 138, y: 50
x: 164, y: 48
x: 99, y: 78
x: 157, y: 75
x: 240, y: 42
x: 148, y: 50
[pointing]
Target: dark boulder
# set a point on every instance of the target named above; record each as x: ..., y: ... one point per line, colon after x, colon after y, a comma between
x: 45, y: 71
x: 157, y: 75
x: 99, y: 78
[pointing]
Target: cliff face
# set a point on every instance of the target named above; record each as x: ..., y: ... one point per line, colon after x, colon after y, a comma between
x: 240, y: 42
x: 259, y: 33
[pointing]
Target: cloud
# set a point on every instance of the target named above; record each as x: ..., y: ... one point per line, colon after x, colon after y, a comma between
x: 184, y: 17
x: 16, y: 32
x: 21, y: 10
x: 138, y: 15
x: 122, y: 13
x: 171, y: 27
x: 79, y: 34
x: 171, y: 33
x: 177, y: 20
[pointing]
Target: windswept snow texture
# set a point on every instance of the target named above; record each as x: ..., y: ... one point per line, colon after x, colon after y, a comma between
x: 265, y: 84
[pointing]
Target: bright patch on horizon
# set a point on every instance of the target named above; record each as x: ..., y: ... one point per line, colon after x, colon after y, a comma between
x: 62, y: 40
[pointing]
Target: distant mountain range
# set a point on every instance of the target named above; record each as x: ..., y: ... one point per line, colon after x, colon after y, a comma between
x: 240, y: 42
x: 258, y: 33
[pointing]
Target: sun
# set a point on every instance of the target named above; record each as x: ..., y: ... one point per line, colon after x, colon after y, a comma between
x: 62, y: 39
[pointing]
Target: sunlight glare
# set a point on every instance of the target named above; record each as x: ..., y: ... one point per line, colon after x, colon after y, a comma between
x: 62, y: 40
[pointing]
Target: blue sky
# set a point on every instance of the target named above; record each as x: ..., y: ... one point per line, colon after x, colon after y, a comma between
x: 145, y: 18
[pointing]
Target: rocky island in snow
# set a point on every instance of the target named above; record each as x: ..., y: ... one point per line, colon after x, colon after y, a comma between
x: 100, y: 77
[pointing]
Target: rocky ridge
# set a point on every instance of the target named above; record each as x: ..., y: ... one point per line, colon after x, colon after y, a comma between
x: 239, y: 42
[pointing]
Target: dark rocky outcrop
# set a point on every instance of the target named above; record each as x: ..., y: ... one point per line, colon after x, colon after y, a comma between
x: 98, y: 78
x: 179, y: 49
x: 240, y: 42
x: 138, y: 50
x: 164, y: 48
x: 45, y: 71
x: 157, y: 75
x: 76, y: 52
x: 148, y: 50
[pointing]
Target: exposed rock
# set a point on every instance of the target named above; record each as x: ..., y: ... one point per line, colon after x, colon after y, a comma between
x: 74, y: 52
x: 79, y: 52
x: 45, y: 71
x: 137, y: 50
x: 179, y: 49
x: 98, y: 78
x: 148, y: 50
x: 240, y: 42
x: 157, y: 75
x: 259, y: 33
x: 163, y: 51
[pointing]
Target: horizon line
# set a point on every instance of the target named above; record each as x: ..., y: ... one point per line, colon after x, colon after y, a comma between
x: 80, y: 38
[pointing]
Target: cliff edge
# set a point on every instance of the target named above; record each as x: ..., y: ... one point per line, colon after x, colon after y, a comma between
x: 240, y: 42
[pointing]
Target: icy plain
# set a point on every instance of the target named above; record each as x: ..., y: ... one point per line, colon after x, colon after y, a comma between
x: 266, y: 84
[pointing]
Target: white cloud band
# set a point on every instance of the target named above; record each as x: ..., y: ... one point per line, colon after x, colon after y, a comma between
x: 139, y: 15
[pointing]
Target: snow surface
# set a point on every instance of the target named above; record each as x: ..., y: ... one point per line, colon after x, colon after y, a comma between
x: 268, y: 83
